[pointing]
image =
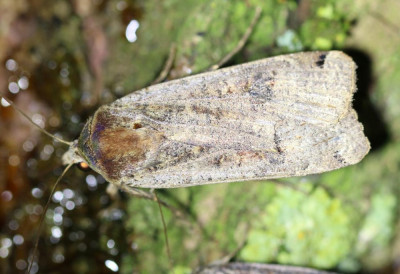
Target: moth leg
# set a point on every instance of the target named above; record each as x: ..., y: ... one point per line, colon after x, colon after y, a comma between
x: 138, y: 192
x: 148, y: 195
x: 112, y: 190
x: 242, y: 41
x: 165, y: 229
x: 167, y: 66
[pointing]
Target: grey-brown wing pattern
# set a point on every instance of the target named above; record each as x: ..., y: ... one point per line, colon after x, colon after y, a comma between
x: 278, y: 117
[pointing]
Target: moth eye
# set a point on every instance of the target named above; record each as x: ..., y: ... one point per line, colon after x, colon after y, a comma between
x: 83, y: 166
x: 137, y: 125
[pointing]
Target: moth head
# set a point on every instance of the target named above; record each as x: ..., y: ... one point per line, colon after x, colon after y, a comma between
x: 71, y: 156
x: 81, y: 152
x: 114, y: 146
x: 76, y: 152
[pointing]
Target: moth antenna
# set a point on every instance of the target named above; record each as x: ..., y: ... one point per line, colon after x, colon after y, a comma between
x: 36, y: 125
x: 43, y: 216
x: 165, y: 231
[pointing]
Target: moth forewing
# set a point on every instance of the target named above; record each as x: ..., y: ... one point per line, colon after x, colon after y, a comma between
x: 283, y: 116
x: 257, y: 268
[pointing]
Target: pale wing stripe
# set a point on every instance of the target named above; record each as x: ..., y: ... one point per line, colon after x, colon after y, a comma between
x: 309, y: 111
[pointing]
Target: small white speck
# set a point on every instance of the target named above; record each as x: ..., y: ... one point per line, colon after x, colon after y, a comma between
x: 11, y: 65
x: 13, y: 225
x: 23, y: 82
x: 4, y: 252
x: 110, y: 243
x: 131, y: 29
x: 37, y: 193
x: 58, y: 196
x: 48, y: 149
x: 18, y: 239
x: 21, y: 264
x: 68, y: 193
x: 59, y: 210
x: 91, y: 181
x: 58, y: 218
x: 28, y: 146
x: 13, y: 160
x: 13, y: 87
x: 6, y: 243
x: 58, y: 258
x: 4, y: 102
x: 6, y: 196
x: 56, y: 232
x: 70, y: 205
x: 112, y: 265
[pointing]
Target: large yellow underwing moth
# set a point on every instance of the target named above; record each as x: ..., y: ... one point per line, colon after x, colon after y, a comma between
x: 283, y: 116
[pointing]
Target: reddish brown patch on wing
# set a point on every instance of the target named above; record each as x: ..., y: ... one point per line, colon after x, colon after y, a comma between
x: 120, y: 145
x: 122, y: 150
x: 119, y: 142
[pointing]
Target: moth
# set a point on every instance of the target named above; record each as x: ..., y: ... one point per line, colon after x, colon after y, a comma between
x: 257, y: 268
x: 284, y: 116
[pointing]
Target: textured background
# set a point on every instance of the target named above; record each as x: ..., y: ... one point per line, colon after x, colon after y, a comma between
x: 60, y: 60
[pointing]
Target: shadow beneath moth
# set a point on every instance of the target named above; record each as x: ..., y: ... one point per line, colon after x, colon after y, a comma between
x: 284, y: 116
